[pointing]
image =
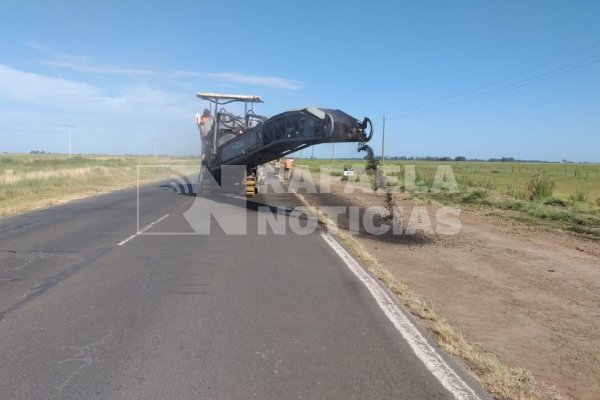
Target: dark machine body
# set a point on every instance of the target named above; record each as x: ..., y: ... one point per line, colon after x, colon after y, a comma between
x: 253, y: 140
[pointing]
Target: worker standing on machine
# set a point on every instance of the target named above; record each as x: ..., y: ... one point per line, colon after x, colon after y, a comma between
x: 288, y: 168
x: 205, y: 125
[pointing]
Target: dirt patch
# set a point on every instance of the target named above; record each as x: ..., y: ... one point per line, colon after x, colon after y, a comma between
x: 530, y: 296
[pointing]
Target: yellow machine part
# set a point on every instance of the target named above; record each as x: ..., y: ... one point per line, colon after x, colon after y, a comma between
x: 250, y: 186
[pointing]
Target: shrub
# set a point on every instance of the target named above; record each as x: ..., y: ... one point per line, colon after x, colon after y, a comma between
x: 598, y: 201
x: 539, y: 187
x: 512, y: 204
x: 553, y: 201
x: 468, y: 181
x: 476, y: 196
x: 520, y: 193
x: 578, y: 197
x: 486, y: 183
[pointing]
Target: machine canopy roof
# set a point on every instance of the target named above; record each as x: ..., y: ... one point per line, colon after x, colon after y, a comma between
x: 229, y: 97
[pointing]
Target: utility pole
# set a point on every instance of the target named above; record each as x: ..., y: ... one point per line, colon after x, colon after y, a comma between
x: 155, y: 154
x: 312, y: 152
x: 69, y: 126
x: 332, y: 152
x: 383, y: 140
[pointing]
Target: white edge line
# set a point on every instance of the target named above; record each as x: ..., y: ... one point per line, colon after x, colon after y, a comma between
x: 150, y: 225
x: 424, y: 351
x: 141, y: 232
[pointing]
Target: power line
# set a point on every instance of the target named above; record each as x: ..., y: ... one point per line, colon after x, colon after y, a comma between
x: 512, y: 86
x: 511, y: 76
x: 433, y: 106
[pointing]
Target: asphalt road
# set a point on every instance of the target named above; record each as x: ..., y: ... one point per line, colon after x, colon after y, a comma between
x: 90, y: 309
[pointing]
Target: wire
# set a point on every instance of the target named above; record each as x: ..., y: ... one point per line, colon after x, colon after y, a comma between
x: 582, y: 63
x: 512, y: 86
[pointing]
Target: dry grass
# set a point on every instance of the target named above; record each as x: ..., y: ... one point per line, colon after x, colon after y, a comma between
x: 499, y: 379
x: 29, y: 182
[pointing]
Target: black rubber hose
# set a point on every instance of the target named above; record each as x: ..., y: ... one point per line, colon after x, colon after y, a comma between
x: 364, y: 127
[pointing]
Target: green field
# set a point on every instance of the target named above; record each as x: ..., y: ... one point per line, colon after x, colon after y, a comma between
x: 504, y: 178
x: 503, y: 189
x: 34, y: 181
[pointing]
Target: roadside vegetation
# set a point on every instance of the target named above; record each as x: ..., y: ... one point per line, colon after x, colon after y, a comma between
x: 540, y: 196
x: 29, y: 182
x: 560, y: 196
x: 502, y: 381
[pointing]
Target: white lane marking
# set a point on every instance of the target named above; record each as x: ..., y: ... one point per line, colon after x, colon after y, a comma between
x: 121, y: 243
x: 150, y: 225
x: 424, y: 351
x: 141, y: 231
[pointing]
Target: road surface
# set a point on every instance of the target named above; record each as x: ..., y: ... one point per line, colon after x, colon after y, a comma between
x: 89, y: 309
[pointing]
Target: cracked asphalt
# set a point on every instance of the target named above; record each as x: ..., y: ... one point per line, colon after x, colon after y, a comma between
x: 189, y: 316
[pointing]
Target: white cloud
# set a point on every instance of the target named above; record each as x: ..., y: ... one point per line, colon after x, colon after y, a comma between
x: 84, y: 64
x: 29, y: 87
x: 266, y: 81
x: 144, y: 94
x: 32, y: 44
x: 58, y: 93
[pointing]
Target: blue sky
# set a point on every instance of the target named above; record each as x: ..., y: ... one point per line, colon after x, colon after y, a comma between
x: 473, y: 78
